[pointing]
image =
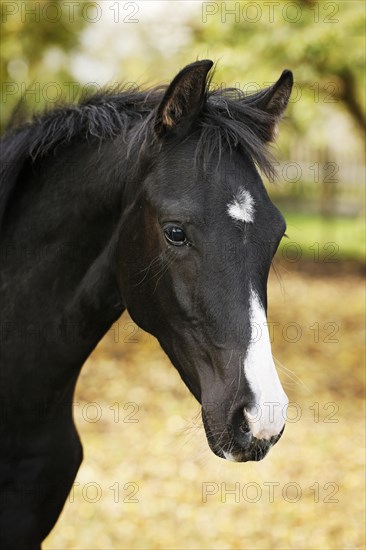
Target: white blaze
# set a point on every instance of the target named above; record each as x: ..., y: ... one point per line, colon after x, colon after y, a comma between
x: 242, y: 207
x: 267, y: 417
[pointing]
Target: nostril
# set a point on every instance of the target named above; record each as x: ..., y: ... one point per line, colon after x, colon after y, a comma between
x: 245, y: 436
x: 244, y: 429
x: 239, y: 428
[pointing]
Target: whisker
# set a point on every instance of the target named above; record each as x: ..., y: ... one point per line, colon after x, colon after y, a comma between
x: 288, y: 372
x: 147, y: 269
x: 163, y: 271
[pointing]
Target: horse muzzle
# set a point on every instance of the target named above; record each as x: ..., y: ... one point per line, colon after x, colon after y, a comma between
x: 235, y: 441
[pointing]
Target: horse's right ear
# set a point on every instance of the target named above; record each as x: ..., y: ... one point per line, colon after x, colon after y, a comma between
x: 273, y: 101
x: 183, y: 99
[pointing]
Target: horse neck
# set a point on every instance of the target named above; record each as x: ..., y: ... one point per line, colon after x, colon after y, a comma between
x: 58, y: 243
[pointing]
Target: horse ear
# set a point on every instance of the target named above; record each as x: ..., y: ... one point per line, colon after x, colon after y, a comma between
x: 184, y: 98
x: 272, y: 101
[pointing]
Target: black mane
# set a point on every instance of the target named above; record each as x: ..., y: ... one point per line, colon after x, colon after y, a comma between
x: 228, y: 119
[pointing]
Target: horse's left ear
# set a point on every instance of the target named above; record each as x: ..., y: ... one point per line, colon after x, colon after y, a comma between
x: 183, y: 99
x: 273, y: 101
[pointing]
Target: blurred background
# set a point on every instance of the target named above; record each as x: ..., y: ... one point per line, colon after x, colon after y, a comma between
x: 148, y: 479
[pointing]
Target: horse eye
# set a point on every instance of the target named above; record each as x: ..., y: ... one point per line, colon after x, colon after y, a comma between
x: 175, y: 235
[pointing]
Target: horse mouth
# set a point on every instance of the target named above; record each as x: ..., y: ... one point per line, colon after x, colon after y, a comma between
x: 253, y: 450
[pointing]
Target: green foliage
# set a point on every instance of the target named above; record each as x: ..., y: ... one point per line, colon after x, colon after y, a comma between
x: 37, y: 42
x: 322, y: 42
x: 252, y: 42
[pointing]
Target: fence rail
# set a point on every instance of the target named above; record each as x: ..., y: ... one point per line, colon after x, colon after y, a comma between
x: 322, y: 180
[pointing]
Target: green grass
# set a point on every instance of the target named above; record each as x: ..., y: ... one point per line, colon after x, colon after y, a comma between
x: 323, y: 239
